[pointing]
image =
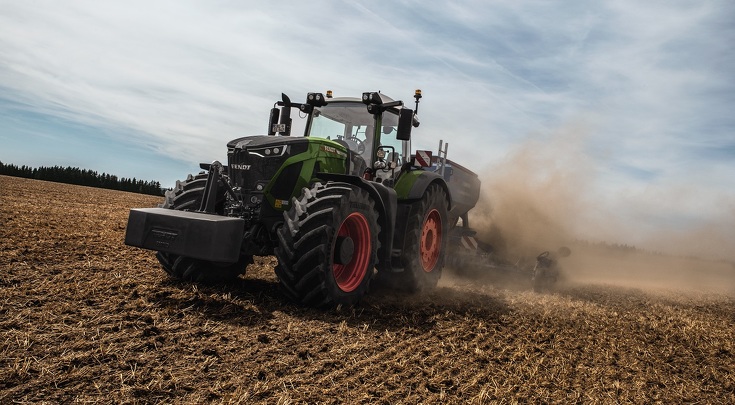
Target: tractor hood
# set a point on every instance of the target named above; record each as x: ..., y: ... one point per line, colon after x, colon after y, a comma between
x: 276, y: 168
x: 255, y: 141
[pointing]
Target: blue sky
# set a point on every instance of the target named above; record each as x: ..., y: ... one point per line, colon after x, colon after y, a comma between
x: 635, y: 98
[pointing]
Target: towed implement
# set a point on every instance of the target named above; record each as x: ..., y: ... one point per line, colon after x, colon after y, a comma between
x: 343, y: 204
x: 468, y: 255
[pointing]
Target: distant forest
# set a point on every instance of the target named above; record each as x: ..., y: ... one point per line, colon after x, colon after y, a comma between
x: 82, y: 177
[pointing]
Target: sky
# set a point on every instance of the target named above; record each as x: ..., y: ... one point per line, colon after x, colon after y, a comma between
x: 631, y: 102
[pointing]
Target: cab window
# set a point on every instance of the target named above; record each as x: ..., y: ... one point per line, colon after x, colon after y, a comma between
x: 347, y: 123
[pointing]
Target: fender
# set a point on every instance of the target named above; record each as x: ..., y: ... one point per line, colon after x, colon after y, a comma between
x: 386, y: 202
x: 411, y: 185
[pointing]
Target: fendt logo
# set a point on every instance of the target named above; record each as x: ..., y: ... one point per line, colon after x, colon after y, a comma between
x: 331, y: 149
x: 240, y: 167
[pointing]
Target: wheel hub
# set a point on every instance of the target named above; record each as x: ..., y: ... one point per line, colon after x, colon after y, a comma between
x: 344, y: 250
x: 431, y: 241
x: 351, y: 252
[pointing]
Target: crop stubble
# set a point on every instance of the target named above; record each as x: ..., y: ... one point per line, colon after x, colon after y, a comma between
x: 85, y: 318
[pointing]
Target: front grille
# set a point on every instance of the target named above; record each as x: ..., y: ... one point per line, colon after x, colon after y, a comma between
x: 247, y: 169
x: 253, y: 163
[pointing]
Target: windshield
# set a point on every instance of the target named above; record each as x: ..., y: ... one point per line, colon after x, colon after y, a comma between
x: 347, y: 123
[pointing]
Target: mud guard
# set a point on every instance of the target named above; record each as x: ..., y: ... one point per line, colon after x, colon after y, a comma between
x: 423, y: 181
x: 386, y: 202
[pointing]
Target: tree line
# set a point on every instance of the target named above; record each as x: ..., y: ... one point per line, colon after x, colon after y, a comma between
x: 82, y: 177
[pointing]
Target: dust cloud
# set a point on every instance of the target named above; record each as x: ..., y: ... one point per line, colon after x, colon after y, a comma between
x: 542, y: 196
x: 597, y: 265
x: 530, y: 200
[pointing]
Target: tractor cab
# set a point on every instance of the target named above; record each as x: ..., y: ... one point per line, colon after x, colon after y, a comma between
x: 371, y: 138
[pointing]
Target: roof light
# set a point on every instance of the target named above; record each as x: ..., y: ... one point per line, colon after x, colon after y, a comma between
x: 316, y: 99
x: 417, y: 96
x: 371, y: 98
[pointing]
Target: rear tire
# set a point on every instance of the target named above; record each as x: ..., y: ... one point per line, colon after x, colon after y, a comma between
x: 187, y: 196
x: 425, y: 243
x: 328, y: 246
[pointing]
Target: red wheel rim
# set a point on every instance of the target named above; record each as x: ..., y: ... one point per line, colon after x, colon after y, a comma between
x: 349, y: 276
x: 431, y: 240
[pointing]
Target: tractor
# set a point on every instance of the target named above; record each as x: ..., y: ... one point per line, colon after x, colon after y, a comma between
x: 343, y: 204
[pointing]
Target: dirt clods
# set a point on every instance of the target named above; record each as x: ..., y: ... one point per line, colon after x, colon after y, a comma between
x: 84, y: 318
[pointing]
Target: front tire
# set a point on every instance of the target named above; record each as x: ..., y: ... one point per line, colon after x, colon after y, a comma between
x: 188, y: 269
x: 328, y: 246
x: 187, y: 196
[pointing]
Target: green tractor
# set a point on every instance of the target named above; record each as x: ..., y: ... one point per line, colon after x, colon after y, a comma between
x: 338, y: 207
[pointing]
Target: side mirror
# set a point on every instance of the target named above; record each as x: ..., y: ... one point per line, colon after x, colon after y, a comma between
x: 273, y: 120
x: 284, y: 125
x: 405, y: 123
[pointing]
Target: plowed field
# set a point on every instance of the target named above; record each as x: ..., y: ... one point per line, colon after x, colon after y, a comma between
x: 84, y: 318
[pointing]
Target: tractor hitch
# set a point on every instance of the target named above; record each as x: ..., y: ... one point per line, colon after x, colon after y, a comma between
x: 215, y: 179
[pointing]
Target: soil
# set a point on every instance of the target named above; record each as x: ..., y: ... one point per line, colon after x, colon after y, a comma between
x: 84, y: 318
